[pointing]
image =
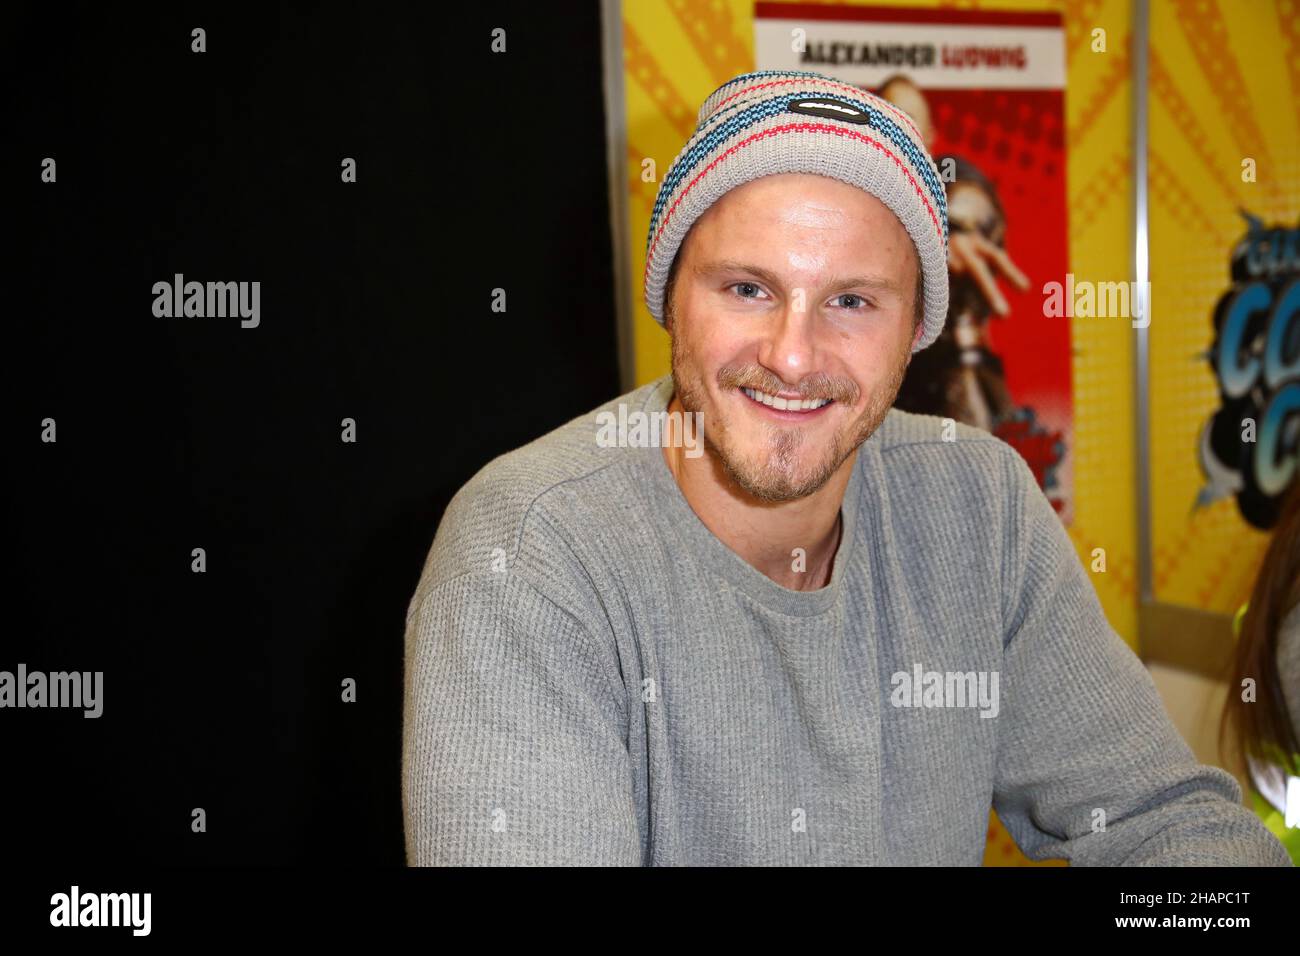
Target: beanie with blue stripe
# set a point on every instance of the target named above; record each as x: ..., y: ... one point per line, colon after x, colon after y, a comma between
x: 774, y: 121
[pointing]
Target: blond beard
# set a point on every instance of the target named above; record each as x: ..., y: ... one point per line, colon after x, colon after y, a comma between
x: 774, y: 477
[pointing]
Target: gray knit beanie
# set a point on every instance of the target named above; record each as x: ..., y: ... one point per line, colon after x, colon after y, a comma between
x: 776, y: 121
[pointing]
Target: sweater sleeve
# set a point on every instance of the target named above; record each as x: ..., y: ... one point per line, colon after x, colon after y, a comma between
x: 1089, y: 767
x: 514, y: 733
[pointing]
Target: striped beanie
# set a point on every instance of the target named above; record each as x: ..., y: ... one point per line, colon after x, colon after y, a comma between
x: 784, y: 121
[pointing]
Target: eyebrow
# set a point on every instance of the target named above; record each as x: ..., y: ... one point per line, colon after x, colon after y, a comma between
x: 877, y: 283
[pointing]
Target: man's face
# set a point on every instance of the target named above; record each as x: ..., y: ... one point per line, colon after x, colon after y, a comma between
x: 801, y: 287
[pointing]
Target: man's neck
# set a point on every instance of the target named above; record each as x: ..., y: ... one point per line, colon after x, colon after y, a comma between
x: 770, y: 536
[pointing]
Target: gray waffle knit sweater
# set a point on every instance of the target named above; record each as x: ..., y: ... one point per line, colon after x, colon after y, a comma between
x: 592, y: 677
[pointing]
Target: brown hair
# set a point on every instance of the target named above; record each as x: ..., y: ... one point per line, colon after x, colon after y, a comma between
x: 1265, y: 723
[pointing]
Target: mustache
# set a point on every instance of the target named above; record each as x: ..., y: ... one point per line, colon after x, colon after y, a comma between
x: 812, y: 386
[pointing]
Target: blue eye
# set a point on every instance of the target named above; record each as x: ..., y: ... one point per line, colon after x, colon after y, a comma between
x: 739, y: 285
x: 856, y: 298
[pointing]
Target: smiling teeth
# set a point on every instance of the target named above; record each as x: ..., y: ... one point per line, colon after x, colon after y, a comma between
x: 783, y: 404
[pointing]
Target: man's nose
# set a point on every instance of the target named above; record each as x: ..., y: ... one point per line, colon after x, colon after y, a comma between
x: 789, y: 345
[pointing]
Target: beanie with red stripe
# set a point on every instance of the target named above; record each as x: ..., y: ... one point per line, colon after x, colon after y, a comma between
x: 775, y: 121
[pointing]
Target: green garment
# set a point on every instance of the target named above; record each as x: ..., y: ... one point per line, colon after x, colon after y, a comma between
x: 1276, y: 823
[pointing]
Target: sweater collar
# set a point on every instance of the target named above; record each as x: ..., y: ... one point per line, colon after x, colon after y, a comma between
x: 714, y: 554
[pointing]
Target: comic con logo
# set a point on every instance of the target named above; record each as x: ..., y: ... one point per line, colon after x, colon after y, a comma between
x: 1249, y: 446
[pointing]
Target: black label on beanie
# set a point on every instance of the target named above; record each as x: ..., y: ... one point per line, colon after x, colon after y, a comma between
x: 827, y: 108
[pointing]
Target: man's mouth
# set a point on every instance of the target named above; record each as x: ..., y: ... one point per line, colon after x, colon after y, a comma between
x: 787, y: 406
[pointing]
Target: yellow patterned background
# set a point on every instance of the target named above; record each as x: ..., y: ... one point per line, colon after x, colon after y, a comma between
x: 1224, y: 86
x: 1224, y: 83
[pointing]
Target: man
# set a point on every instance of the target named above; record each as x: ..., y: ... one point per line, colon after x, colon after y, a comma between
x: 826, y: 633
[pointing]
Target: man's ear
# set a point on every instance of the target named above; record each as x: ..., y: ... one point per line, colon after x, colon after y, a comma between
x: 920, y: 331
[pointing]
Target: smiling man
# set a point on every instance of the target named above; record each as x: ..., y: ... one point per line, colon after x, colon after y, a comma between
x: 798, y: 300
x: 839, y: 635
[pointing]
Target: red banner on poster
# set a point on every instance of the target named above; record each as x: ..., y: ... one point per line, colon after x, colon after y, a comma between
x: 986, y: 89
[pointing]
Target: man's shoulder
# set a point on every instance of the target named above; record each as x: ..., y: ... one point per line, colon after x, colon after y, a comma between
x: 903, y: 435
x: 959, y: 465
x: 526, y: 489
x: 567, y: 454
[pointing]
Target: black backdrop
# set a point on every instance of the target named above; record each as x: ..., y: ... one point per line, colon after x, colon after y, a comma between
x: 475, y: 171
